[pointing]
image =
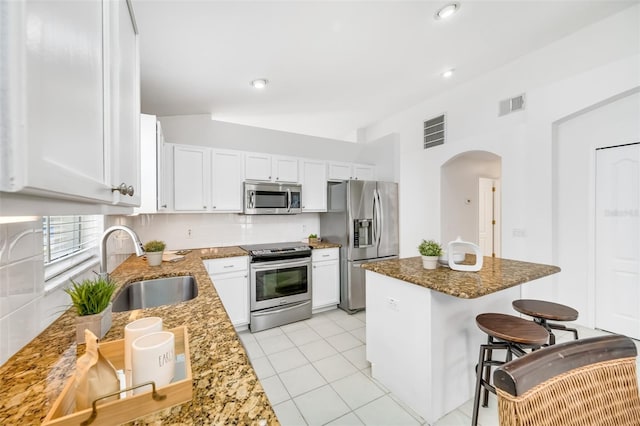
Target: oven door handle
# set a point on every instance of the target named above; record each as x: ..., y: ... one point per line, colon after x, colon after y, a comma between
x: 280, y: 264
x: 277, y: 311
x: 288, y: 200
x: 252, y: 196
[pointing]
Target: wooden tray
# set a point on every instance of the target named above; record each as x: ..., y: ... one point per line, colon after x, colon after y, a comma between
x: 132, y: 407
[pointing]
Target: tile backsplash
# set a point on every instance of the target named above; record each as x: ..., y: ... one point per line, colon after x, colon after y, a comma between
x: 25, y: 308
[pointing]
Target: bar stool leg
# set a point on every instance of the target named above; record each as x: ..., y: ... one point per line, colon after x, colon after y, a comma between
x: 487, y: 371
x: 479, y: 371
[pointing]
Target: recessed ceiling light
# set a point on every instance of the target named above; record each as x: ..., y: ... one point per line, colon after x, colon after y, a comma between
x: 259, y: 83
x: 448, y: 73
x: 446, y: 11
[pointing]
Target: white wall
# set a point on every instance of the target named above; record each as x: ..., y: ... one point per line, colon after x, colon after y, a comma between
x: 201, y: 130
x: 615, y: 122
x: 578, y: 72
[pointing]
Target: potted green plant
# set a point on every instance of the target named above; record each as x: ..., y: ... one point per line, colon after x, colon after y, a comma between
x: 313, y: 238
x: 154, y: 250
x: 430, y: 251
x: 91, y: 299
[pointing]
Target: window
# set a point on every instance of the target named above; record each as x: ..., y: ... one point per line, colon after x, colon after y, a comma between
x: 69, y: 241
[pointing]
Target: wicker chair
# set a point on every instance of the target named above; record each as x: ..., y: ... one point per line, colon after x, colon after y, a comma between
x: 583, y: 382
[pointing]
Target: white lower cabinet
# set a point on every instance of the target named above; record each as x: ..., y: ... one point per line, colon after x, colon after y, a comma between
x: 230, y: 277
x: 325, y: 278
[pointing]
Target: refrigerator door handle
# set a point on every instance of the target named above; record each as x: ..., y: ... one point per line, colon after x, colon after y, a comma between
x: 379, y: 218
x: 375, y: 220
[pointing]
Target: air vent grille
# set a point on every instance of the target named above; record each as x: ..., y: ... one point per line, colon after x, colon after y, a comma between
x: 510, y: 105
x: 434, y: 131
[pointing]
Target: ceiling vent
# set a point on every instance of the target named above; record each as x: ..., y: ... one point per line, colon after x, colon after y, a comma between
x: 508, y: 106
x: 434, y: 132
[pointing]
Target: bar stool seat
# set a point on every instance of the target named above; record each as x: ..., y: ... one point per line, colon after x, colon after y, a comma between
x: 505, y: 332
x: 543, y: 311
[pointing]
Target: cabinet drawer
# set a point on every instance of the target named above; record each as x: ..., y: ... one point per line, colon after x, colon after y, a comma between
x: 320, y: 255
x: 228, y: 264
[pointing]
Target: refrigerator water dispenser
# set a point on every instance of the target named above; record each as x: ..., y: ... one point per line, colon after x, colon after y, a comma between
x: 362, y: 233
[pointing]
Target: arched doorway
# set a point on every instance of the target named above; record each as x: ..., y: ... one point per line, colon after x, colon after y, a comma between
x: 470, y: 200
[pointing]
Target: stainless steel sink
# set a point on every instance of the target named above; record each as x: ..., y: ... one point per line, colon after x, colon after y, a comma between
x: 158, y: 292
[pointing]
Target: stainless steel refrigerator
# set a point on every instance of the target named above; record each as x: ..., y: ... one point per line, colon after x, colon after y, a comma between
x: 363, y: 217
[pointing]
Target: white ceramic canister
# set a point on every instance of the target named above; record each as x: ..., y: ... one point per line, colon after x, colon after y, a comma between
x: 132, y: 331
x: 153, y: 360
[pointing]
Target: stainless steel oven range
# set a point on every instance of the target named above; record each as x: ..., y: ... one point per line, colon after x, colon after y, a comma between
x: 280, y: 284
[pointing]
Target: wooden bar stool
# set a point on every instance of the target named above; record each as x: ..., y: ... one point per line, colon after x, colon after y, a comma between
x: 542, y: 311
x: 509, y: 333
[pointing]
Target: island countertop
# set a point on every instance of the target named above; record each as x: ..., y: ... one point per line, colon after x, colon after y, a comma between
x: 496, y: 274
x: 226, y: 389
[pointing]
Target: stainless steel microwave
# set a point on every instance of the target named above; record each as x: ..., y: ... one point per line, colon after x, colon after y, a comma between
x: 272, y: 198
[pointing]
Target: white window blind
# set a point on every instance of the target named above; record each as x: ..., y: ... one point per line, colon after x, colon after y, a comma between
x: 69, y: 241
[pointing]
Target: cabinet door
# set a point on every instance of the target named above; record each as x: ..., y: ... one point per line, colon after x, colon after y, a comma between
x: 150, y: 161
x: 285, y: 169
x: 257, y: 166
x: 325, y: 284
x: 190, y: 178
x: 233, y: 289
x: 165, y: 172
x: 339, y: 171
x: 124, y: 95
x: 226, y: 181
x: 52, y: 85
x: 314, y: 186
x: 363, y: 172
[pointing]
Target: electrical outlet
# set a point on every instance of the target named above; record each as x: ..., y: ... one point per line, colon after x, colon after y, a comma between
x: 304, y: 229
x: 189, y: 233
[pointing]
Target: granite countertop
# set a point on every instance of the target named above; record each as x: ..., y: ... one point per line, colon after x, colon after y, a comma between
x: 226, y: 389
x: 323, y: 245
x: 496, y: 274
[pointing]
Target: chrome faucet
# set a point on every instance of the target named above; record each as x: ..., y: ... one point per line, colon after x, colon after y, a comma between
x: 103, y: 246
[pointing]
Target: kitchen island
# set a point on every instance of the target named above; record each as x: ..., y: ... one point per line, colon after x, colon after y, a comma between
x: 422, y: 339
x: 226, y: 389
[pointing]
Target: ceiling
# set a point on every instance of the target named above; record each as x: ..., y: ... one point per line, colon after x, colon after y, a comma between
x: 333, y: 66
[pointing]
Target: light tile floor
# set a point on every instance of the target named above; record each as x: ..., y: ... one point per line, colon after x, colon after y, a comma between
x: 315, y: 373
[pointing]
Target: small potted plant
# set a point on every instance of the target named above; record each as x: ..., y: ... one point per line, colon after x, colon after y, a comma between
x: 430, y: 251
x: 92, y: 302
x: 313, y: 238
x: 154, y: 250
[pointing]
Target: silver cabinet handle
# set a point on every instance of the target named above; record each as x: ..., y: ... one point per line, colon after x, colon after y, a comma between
x: 164, y: 206
x: 123, y: 189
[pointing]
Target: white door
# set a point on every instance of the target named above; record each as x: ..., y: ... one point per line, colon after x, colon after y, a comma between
x: 489, y: 222
x: 618, y: 240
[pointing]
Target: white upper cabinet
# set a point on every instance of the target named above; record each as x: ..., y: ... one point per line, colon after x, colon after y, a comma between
x: 124, y: 87
x: 314, y: 185
x: 270, y: 168
x: 338, y: 171
x: 201, y: 179
x: 350, y: 171
x: 364, y: 172
x: 285, y: 169
x: 67, y: 110
x: 257, y: 166
x: 226, y: 181
x: 191, y: 178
